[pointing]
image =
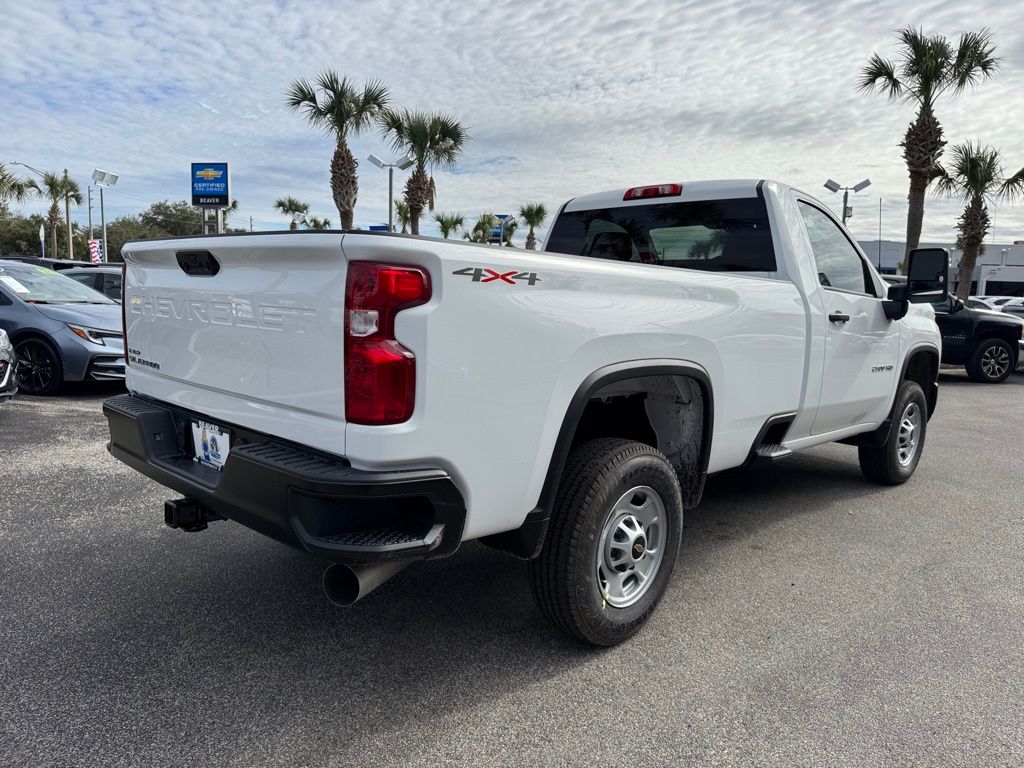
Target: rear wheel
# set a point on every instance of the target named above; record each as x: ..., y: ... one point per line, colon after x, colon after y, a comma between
x: 40, y: 371
x: 612, y: 541
x: 991, y: 362
x: 895, y: 460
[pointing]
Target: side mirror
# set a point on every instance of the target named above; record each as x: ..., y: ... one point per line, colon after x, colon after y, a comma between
x: 957, y: 305
x: 927, y: 281
x: 927, y: 275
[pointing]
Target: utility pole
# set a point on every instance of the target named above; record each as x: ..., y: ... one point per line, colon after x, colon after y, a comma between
x: 89, y: 188
x: 67, y: 211
x: 250, y: 223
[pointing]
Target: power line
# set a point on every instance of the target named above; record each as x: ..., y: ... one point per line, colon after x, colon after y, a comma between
x: 79, y: 216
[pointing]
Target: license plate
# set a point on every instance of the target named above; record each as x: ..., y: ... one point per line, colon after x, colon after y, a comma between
x: 210, y: 443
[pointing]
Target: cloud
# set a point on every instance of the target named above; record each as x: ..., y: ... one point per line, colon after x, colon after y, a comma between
x: 560, y: 99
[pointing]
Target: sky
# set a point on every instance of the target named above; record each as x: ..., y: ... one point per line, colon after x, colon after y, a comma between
x: 559, y: 98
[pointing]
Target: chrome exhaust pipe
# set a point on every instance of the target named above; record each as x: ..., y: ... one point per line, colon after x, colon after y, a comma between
x: 345, y: 585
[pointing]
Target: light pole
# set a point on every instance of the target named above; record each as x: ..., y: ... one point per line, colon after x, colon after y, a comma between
x: 104, y: 179
x: 401, y: 165
x: 834, y: 186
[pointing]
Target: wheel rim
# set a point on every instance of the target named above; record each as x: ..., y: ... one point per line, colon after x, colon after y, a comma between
x: 909, y: 435
x: 995, y: 361
x: 35, y: 366
x: 632, y: 546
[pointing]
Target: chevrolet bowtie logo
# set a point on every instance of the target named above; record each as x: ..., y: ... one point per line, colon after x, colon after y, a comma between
x: 209, y: 174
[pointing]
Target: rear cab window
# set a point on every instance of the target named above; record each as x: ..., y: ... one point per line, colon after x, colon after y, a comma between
x: 731, y: 235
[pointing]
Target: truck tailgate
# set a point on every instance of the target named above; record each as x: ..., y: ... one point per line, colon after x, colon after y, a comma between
x: 259, y: 342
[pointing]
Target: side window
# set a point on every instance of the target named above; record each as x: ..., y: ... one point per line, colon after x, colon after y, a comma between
x: 942, y: 307
x: 838, y: 263
x: 112, y: 286
x: 85, y: 279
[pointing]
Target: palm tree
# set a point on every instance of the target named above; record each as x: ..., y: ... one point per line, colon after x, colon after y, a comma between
x: 533, y: 216
x: 511, y: 225
x: 296, y: 209
x: 481, y: 231
x: 57, y: 187
x: 315, y: 222
x: 14, y: 188
x: 233, y: 208
x: 928, y: 67
x: 402, y: 217
x: 336, y: 106
x: 976, y: 176
x: 449, y: 223
x: 433, y: 140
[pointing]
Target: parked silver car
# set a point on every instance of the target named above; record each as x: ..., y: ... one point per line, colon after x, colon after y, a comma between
x: 61, y: 330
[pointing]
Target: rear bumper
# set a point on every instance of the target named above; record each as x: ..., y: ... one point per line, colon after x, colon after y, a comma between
x: 308, y: 500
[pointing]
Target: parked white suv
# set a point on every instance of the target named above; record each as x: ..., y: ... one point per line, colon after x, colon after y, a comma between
x: 377, y: 399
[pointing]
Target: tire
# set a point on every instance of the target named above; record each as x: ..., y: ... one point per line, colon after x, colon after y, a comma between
x: 618, y: 502
x: 991, y: 362
x: 893, y: 462
x: 40, y: 371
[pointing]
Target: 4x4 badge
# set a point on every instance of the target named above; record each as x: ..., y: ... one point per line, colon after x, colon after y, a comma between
x: 485, y: 275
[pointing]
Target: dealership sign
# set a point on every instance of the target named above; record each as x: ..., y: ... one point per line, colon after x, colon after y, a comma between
x: 210, y: 185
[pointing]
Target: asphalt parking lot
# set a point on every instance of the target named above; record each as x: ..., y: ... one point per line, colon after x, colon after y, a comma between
x: 814, y: 620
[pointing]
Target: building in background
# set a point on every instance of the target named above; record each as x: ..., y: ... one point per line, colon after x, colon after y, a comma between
x: 999, y: 271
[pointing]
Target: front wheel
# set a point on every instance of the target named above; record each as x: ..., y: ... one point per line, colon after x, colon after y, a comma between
x: 39, y: 367
x: 895, y: 460
x: 991, y: 362
x: 612, y: 541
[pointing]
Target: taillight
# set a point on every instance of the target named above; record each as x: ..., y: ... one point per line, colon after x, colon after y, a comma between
x: 660, y: 190
x: 124, y: 325
x: 380, y: 374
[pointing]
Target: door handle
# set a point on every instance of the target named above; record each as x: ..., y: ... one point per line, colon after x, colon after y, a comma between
x: 838, y: 317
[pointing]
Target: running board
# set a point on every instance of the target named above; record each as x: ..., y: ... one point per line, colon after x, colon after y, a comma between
x: 772, y: 451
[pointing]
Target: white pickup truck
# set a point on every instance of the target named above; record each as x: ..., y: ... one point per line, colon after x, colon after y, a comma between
x: 376, y: 399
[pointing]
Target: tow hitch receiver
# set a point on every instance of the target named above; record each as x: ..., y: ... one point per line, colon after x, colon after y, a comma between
x: 188, y: 515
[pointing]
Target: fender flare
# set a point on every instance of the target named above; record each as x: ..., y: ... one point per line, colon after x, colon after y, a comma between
x: 527, y: 540
x: 931, y: 394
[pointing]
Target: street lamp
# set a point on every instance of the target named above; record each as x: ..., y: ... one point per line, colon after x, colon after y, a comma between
x: 834, y: 186
x: 401, y: 165
x: 103, y: 180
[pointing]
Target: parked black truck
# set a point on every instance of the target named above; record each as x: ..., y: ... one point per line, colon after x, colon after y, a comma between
x: 987, y: 343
